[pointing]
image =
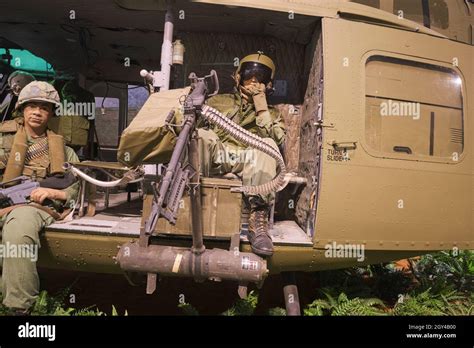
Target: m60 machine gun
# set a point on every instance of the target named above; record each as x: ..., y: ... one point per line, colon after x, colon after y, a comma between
x: 183, y: 172
x: 169, y: 191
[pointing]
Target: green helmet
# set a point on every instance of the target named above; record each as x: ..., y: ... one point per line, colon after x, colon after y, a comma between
x: 38, y: 91
x: 18, y: 80
x: 258, y: 65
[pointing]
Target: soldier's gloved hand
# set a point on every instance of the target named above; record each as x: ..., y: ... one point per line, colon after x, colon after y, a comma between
x: 257, y: 91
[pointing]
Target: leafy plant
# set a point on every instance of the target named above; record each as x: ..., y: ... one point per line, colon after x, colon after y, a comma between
x: 243, y: 307
x: 420, y: 304
x: 342, y: 305
x: 446, y: 269
x: 51, y: 305
x: 47, y: 305
x: 277, y: 312
x: 88, y: 312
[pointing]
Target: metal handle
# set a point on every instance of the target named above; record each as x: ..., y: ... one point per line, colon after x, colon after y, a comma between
x: 344, y: 145
x: 404, y: 149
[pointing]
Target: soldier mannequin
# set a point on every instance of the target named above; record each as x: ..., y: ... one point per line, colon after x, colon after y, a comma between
x: 220, y: 153
x: 22, y: 224
x: 16, y: 82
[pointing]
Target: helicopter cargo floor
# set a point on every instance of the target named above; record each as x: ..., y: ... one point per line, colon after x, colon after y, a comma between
x: 122, y: 219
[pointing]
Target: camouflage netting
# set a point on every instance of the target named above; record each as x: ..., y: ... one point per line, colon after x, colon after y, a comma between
x: 310, y: 142
x: 301, y: 147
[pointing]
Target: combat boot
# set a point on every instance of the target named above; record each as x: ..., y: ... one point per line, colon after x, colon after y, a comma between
x: 258, y: 236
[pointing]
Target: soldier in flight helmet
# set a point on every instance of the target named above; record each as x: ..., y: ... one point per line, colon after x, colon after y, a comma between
x: 248, y: 107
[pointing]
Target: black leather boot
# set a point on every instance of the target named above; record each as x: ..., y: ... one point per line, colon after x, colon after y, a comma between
x: 259, y: 238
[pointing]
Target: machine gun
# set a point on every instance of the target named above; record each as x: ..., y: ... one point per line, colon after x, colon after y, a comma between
x: 17, y: 194
x: 20, y: 193
x: 180, y: 170
x: 183, y: 172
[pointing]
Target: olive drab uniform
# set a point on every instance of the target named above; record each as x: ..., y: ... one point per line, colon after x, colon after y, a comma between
x: 22, y: 225
x: 220, y: 153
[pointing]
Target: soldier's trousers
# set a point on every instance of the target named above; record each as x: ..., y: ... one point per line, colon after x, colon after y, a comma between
x: 21, y: 235
x: 252, y: 166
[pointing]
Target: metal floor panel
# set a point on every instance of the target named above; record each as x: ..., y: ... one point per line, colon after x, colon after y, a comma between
x: 123, y: 219
x: 283, y: 232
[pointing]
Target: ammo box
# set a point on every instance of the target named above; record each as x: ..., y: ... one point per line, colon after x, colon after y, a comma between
x: 221, y: 210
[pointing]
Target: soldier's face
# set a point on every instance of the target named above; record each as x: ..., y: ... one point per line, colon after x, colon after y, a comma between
x: 251, y: 81
x: 37, y: 114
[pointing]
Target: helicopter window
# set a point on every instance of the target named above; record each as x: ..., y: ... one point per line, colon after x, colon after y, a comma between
x: 409, y: 9
x: 107, y: 111
x: 439, y: 14
x: 137, y: 96
x: 413, y: 109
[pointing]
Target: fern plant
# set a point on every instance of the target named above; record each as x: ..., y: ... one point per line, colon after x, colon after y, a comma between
x: 277, y: 312
x: 446, y: 269
x: 342, y: 305
x: 243, y: 307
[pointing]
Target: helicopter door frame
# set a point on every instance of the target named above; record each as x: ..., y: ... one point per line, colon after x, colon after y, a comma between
x: 389, y: 202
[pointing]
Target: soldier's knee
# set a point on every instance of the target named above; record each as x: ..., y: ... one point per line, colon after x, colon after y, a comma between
x: 21, y: 213
x: 14, y: 235
x: 20, y: 226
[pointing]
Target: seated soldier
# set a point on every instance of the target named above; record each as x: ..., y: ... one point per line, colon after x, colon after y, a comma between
x: 16, y: 82
x: 220, y: 153
x: 35, y: 151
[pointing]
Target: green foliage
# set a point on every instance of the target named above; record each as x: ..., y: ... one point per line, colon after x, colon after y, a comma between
x: 88, y: 312
x: 115, y: 312
x: 446, y: 269
x: 424, y: 303
x: 342, y: 305
x: 47, y: 305
x: 318, y: 307
x: 243, y: 307
x: 438, y: 284
x: 51, y: 305
x: 277, y: 312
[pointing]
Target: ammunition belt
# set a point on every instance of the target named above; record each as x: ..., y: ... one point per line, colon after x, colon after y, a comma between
x: 36, y: 150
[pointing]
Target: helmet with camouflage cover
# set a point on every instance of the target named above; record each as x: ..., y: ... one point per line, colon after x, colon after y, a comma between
x: 258, y: 65
x: 18, y: 80
x: 38, y: 91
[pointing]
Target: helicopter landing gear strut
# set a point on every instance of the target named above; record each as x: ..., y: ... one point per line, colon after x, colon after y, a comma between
x: 290, y: 291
